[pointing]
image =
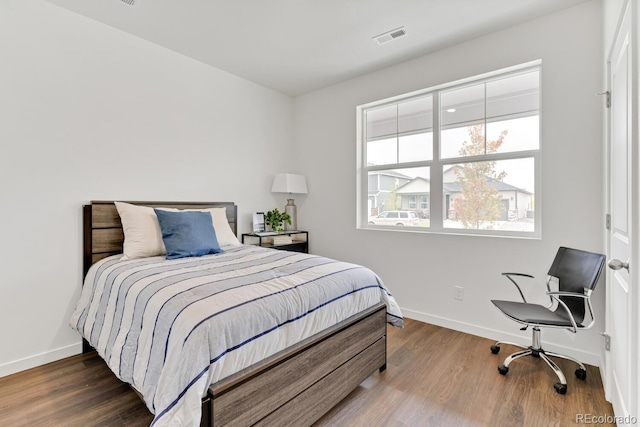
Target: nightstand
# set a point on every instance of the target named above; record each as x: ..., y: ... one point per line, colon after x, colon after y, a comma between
x: 299, y: 240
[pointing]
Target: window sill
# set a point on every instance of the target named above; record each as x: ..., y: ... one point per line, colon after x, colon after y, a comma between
x: 456, y: 232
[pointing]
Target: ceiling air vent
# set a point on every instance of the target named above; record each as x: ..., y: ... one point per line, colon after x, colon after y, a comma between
x: 388, y: 36
x: 129, y: 2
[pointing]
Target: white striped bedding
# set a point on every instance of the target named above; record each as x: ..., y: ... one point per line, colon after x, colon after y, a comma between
x: 172, y: 328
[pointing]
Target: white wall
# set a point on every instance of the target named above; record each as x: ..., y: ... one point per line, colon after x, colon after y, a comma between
x: 421, y: 269
x: 89, y: 112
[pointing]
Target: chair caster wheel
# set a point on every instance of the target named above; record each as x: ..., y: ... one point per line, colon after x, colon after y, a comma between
x: 503, y: 369
x: 581, y: 374
x: 495, y: 349
x: 560, y: 388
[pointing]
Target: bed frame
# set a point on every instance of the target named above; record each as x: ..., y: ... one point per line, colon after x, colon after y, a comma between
x: 293, y: 387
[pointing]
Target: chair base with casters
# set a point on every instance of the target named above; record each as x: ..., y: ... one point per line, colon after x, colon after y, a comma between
x: 536, y: 350
x: 577, y: 273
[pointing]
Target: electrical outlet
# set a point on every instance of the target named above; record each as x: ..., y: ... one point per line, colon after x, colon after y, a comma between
x: 458, y: 293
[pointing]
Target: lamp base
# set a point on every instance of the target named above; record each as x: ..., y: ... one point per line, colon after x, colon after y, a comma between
x: 291, y: 209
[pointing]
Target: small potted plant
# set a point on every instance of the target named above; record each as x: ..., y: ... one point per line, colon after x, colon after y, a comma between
x: 276, y: 220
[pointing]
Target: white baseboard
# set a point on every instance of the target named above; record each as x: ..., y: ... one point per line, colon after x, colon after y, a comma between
x: 39, y: 359
x: 495, y: 335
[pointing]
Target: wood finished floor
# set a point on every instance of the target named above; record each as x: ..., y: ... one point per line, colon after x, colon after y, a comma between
x: 434, y: 377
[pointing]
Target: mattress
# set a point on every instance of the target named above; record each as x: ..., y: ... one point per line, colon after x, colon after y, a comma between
x: 170, y: 328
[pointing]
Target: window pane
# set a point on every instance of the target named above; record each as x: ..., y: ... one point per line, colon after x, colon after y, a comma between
x: 511, y: 118
x: 382, y: 151
x: 402, y: 132
x: 462, y: 106
x: 415, y: 148
x: 415, y: 115
x: 390, y: 193
x: 514, y: 95
x: 453, y: 141
x: 505, y: 136
x: 382, y: 122
x: 461, y: 111
x: 521, y: 134
x: 490, y: 195
x: 409, y: 148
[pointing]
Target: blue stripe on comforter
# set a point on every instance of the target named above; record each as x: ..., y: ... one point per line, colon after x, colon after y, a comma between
x: 171, y: 328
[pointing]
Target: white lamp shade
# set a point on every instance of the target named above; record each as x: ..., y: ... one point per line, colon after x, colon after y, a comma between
x: 289, y: 183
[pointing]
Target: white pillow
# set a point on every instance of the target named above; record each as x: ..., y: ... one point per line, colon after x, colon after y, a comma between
x: 224, y: 233
x: 142, y: 234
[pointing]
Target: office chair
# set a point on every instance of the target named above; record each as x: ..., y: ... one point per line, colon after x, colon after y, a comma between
x: 577, y: 273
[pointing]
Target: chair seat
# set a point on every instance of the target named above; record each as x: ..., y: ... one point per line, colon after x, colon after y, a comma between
x: 532, y: 313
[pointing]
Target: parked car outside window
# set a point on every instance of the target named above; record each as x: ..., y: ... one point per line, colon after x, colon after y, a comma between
x: 395, y: 218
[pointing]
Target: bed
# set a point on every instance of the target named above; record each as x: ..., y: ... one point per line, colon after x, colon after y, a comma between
x: 292, y: 385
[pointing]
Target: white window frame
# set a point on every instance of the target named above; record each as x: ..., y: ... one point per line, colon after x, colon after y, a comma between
x: 437, y: 165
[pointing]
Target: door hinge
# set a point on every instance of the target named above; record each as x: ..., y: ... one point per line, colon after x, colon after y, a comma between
x: 607, y: 341
x: 608, y: 221
x: 608, y: 97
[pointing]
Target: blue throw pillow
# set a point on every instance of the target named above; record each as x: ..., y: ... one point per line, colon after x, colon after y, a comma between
x: 187, y: 234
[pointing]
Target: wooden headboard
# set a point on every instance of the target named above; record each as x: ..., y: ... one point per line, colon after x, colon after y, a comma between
x: 102, y: 229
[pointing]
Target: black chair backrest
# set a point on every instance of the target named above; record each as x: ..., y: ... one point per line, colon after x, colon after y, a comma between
x: 576, y: 271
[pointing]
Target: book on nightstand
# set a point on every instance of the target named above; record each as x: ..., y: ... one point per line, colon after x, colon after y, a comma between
x: 265, y: 233
x: 281, y: 240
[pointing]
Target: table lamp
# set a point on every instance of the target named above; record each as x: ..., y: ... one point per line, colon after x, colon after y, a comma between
x: 290, y: 183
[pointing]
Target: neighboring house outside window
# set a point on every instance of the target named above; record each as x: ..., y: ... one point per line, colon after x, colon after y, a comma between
x: 382, y: 188
x: 477, y: 141
x: 417, y: 188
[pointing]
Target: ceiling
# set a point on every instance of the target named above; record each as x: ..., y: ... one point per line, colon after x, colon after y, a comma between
x: 297, y: 46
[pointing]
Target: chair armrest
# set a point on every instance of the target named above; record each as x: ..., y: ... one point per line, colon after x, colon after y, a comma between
x: 587, y: 296
x: 508, y: 276
x: 568, y: 294
x: 518, y: 274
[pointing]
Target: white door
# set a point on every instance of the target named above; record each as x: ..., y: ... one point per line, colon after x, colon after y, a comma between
x: 622, y: 278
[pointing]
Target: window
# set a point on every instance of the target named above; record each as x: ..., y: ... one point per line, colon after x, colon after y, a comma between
x: 462, y: 157
x: 424, y: 204
x: 412, y: 202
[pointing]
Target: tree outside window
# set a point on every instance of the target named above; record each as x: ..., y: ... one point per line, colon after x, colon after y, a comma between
x: 479, y: 201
